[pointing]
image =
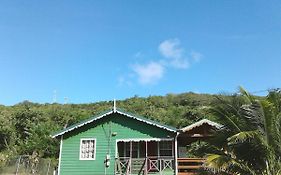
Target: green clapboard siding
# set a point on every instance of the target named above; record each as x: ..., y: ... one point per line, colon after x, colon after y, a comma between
x: 124, y: 127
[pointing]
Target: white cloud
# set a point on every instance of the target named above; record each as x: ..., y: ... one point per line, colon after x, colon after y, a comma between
x: 172, y: 50
x: 173, y: 56
x: 196, y: 56
x: 149, y: 73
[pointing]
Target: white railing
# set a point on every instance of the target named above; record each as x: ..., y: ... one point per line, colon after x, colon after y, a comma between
x: 148, y: 165
x: 123, y: 166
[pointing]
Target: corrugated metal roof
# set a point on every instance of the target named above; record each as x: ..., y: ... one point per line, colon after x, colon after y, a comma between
x: 146, y: 120
x: 200, y: 123
x: 118, y: 111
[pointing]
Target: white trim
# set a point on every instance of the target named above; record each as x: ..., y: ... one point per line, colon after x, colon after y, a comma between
x: 145, y: 121
x: 131, y: 146
x: 60, y: 155
x: 200, y: 123
x: 146, y: 149
x: 82, y: 124
x: 114, y: 105
x: 139, y: 140
x: 112, y: 112
x: 144, y: 139
x: 173, y: 147
x: 95, y: 148
x: 176, y: 154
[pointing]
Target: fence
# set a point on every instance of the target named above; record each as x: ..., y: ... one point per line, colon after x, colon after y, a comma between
x: 28, y: 165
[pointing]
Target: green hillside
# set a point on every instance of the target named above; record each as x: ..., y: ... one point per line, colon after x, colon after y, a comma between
x: 252, y: 127
x: 25, y: 127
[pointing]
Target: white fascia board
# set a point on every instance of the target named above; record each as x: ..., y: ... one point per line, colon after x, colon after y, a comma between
x: 144, y: 139
x: 82, y: 124
x: 199, y: 123
x: 145, y: 121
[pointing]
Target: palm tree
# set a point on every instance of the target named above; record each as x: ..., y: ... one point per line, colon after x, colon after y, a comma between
x: 250, y: 142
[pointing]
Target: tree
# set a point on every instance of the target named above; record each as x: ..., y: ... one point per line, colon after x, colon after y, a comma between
x: 250, y: 143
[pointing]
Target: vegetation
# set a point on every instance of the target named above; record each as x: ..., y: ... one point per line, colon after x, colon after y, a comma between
x: 250, y: 142
x: 25, y: 128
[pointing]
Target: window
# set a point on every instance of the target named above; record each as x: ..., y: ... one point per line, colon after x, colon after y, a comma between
x: 87, y: 149
x: 165, y: 148
x: 135, y: 149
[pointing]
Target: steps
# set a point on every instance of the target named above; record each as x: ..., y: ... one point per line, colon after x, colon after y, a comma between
x: 186, y: 173
x: 189, y: 166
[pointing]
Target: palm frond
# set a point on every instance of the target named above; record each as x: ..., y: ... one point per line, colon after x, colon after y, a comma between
x: 242, y: 137
x: 227, y: 118
x: 225, y: 163
x: 247, y: 95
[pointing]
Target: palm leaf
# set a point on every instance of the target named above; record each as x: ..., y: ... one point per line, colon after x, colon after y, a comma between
x: 225, y: 163
x: 242, y: 137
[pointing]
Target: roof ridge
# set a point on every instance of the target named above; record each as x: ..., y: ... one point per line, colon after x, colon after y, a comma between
x: 200, y: 122
x: 111, y: 111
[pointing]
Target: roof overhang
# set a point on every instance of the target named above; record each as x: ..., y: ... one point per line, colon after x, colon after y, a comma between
x: 117, y: 111
x: 200, y: 124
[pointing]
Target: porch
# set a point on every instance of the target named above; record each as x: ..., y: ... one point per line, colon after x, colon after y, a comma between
x: 163, y: 156
x: 155, y: 156
x: 157, y: 166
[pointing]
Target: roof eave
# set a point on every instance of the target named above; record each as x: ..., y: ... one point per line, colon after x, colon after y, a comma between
x: 153, y: 123
x: 150, y: 122
x: 68, y: 129
x: 200, y: 123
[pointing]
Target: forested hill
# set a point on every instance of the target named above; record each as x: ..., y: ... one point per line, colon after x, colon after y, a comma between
x: 26, y: 127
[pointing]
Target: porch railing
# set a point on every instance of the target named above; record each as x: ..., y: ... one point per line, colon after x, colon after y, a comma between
x: 148, y: 165
x: 189, y: 166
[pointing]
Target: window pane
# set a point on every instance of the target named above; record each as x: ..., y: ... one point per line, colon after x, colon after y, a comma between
x: 166, y: 148
x: 87, y: 149
x: 135, y: 148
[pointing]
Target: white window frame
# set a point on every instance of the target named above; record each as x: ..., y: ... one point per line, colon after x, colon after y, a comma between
x: 95, y: 148
x: 138, y: 140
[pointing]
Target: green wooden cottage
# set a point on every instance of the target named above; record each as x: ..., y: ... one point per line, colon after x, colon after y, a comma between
x: 120, y: 143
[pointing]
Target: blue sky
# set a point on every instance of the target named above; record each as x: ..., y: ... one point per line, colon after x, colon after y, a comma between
x: 90, y: 51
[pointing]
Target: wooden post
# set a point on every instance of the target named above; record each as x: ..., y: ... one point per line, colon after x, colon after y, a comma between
x: 176, y: 153
x: 18, y: 165
x: 130, y: 161
x: 158, y: 149
x: 158, y: 157
x: 145, y: 171
x: 59, y: 166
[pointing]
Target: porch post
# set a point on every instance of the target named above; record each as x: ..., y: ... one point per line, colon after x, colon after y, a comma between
x: 59, y: 166
x: 158, y: 150
x: 176, y: 153
x: 131, y: 148
x: 146, y: 148
x: 145, y: 170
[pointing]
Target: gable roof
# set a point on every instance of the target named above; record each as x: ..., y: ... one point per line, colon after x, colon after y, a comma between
x: 200, y: 123
x: 114, y: 111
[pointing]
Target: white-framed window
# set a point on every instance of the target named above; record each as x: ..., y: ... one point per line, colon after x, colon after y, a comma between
x: 88, y: 149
